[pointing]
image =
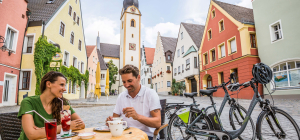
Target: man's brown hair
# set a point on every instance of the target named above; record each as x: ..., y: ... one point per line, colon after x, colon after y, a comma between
x: 129, y: 69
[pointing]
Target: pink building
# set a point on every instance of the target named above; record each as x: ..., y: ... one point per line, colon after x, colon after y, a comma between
x: 92, y: 66
x: 13, y: 21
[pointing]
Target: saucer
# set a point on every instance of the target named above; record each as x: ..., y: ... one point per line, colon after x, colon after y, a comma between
x: 67, y: 136
x: 104, y: 129
x: 86, y: 135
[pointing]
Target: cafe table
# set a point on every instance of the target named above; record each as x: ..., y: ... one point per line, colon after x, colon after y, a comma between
x: 136, y: 134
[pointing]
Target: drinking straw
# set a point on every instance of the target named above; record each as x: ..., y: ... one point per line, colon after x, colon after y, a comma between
x: 62, y: 104
x: 38, y: 114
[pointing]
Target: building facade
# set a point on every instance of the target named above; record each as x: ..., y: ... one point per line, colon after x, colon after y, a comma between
x: 278, y: 44
x: 162, y: 64
x: 92, y: 66
x: 63, y: 26
x: 228, y: 45
x: 13, y: 23
x: 186, y: 68
x: 146, y: 65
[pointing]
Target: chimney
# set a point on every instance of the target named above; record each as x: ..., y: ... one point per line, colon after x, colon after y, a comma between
x: 98, y: 42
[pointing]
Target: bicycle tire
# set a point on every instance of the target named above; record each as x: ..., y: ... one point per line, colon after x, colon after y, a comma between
x: 176, y: 118
x: 234, y: 122
x: 277, y: 112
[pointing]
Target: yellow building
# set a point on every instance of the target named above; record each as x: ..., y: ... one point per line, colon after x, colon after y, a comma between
x: 63, y: 26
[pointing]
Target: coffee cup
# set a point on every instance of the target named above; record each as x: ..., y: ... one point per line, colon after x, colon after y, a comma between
x: 116, y: 127
x: 117, y: 119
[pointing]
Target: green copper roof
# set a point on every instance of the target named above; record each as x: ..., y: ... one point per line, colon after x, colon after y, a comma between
x: 190, y: 50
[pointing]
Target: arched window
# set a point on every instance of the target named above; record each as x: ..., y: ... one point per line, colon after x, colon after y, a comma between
x: 72, y: 38
x: 209, y: 81
x: 131, y: 58
x: 132, y: 23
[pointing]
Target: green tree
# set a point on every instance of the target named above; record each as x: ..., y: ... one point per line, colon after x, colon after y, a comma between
x: 113, y: 71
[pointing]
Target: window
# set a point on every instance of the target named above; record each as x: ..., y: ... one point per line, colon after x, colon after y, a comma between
x: 175, y: 71
x: 78, y: 66
x: 92, y: 72
x: 82, y: 67
x: 222, y: 51
x: 205, y: 59
x: 76, y: 1
x: 221, y: 25
x: 75, y: 62
x: 276, y: 31
x: 209, y: 34
x: 72, y: 38
x: 221, y: 77
x: 162, y: 85
x: 232, y: 46
x: 74, y: 16
x: 168, y: 67
x: 209, y: 81
x: 77, y: 20
x: 236, y: 73
x: 182, y: 49
x: 287, y: 75
x: 253, y: 40
x: 79, y: 45
x: 73, y: 88
x: 132, y: 23
x: 62, y: 29
x: 181, y: 35
x: 28, y: 44
x: 26, y: 80
x: 132, y: 36
x: 132, y: 58
x: 213, y: 55
x: 169, y: 57
x: 213, y: 13
x: 178, y: 52
x: 70, y: 85
x: 149, y: 80
x: 10, y: 39
x: 102, y: 76
x: 179, y: 70
x: 182, y: 68
x: 66, y: 59
x: 187, y: 64
x: 195, y: 62
x: 70, y: 10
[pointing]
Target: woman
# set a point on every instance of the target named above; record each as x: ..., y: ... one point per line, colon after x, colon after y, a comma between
x: 48, y: 105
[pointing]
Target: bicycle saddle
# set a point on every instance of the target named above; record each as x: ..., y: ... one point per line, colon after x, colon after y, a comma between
x: 207, y: 92
x: 191, y: 95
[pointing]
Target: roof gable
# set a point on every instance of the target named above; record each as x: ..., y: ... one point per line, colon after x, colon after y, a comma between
x: 149, y: 54
x: 110, y: 50
x: 190, y: 50
x: 101, y: 60
x: 168, y: 43
x: 195, y: 31
x: 89, y: 50
x: 42, y: 11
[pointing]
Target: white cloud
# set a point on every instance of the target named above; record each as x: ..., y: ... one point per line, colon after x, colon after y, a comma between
x: 245, y: 3
x: 167, y: 29
x: 109, y: 30
x: 195, y: 11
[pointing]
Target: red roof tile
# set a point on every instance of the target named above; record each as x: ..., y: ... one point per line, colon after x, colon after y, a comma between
x: 149, y: 53
x: 89, y: 50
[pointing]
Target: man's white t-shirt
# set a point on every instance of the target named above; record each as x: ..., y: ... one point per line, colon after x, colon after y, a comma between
x: 144, y: 102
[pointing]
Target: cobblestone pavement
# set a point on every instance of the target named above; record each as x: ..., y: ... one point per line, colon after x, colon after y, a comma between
x: 95, y: 113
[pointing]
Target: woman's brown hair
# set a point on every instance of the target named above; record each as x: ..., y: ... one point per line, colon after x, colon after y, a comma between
x: 56, y: 103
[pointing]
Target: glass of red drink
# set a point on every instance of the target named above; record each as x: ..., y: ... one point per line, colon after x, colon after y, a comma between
x: 51, y: 129
x: 65, y: 117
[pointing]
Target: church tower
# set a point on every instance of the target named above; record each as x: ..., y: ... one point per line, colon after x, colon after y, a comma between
x: 130, y: 34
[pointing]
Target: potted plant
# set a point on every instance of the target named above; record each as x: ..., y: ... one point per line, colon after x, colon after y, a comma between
x: 161, y: 72
x: 157, y: 74
x: 168, y: 71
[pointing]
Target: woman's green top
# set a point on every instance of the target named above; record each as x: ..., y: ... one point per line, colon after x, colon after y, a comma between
x: 34, y: 103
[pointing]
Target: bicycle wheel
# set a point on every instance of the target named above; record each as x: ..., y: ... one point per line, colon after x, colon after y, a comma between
x: 267, y: 128
x: 176, y: 129
x: 237, y: 115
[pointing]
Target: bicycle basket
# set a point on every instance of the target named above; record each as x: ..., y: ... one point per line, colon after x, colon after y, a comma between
x: 214, y: 120
x: 184, y: 114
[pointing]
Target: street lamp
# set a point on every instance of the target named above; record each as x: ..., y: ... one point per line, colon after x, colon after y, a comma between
x: 2, y: 40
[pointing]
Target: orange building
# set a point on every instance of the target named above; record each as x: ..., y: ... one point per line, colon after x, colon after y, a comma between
x: 228, y: 45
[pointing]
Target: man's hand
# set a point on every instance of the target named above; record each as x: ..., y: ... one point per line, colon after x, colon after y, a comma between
x: 130, y: 112
x: 76, y: 124
x: 110, y: 118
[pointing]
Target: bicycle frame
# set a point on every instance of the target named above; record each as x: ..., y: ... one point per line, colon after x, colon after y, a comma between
x: 231, y: 134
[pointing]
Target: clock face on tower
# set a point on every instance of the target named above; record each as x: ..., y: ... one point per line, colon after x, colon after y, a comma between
x: 132, y: 9
x: 132, y: 46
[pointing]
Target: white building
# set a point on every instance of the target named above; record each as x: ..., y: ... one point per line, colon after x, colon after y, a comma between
x: 186, y: 56
x: 146, y: 65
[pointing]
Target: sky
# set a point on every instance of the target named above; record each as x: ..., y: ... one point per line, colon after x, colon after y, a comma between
x: 162, y: 16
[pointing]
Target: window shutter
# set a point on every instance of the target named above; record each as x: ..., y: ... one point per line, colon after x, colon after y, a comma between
x: 25, y: 44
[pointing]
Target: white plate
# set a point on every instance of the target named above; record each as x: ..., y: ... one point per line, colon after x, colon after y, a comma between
x: 86, y: 135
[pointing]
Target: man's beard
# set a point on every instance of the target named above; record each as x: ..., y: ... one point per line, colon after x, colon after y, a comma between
x: 131, y: 89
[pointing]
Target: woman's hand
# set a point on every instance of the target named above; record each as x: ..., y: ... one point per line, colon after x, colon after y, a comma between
x: 77, y: 124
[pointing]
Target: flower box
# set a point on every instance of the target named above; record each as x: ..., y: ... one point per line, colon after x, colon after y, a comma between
x: 168, y: 71
x: 161, y: 72
x: 157, y: 74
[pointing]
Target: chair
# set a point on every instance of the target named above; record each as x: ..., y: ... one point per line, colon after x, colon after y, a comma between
x: 163, y: 103
x: 10, y: 126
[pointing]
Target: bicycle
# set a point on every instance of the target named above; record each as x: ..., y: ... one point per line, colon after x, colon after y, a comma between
x: 236, y: 114
x: 271, y: 114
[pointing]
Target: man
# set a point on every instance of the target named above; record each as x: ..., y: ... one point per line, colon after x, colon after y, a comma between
x: 139, y: 106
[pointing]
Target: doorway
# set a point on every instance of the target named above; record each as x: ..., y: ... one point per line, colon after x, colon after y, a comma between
x: 194, y: 85
x: 9, y: 90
